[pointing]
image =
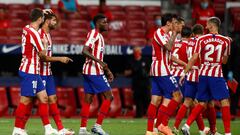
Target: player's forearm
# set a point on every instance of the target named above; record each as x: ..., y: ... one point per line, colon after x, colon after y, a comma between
x: 86, y: 53
x: 51, y: 59
x: 171, y: 41
x: 174, y: 59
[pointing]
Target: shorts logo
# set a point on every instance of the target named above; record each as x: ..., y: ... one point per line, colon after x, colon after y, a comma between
x: 174, y: 81
x: 106, y: 81
x: 34, y: 85
x: 44, y: 82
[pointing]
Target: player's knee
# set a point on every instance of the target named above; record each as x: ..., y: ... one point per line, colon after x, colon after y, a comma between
x: 26, y: 100
x: 188, y: 102
x: 52, y: 99
x: 110, y: 98
x: 43, y: 99
x: 225, y: 102
x: 177, y: 96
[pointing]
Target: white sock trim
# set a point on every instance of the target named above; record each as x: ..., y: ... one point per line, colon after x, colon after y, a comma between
x: 186, y: 126
x: 83, y: 128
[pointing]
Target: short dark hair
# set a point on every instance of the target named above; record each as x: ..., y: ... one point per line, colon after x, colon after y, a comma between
x: 98, y: 17
x: 186, y: 32
x: 35, y: 14
x: 216, y: 21
x: 167, y: 17
x: 197, y: 29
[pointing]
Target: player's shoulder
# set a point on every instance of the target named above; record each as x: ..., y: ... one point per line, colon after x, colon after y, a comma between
x: 204, y: 36
x: 224, y: 37
x: 94, y: 33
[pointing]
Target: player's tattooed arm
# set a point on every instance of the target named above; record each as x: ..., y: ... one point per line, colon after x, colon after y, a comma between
x: 174, y: 59
x: 169, y: 45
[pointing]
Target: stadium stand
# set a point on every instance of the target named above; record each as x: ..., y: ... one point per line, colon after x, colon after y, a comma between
x: 3, y: 101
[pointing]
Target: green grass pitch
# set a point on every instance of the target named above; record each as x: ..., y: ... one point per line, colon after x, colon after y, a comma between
x: 113, y: 126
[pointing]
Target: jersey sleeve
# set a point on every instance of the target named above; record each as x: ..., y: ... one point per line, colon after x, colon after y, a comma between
x: 159, y: 38
x: 36, y: 41
x: 197, y: 48
x: 227, y: 51
x: 91, y: 39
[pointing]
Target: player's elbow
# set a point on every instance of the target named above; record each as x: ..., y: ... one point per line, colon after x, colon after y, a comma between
x: 224, y: 61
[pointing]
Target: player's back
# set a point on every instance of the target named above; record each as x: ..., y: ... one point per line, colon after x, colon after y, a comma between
x: 212, y: 48
x: 31, y: 45
x: 179, y: 51
x: 190, y: 50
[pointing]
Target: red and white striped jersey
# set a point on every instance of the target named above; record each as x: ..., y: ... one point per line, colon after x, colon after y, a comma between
x: 96, y: 42
x: 193, y: 74
x: 212, y: 48
x: 160, y: 56
x: 31, y: 45
x: 45, y: 67
x: 179, y: 50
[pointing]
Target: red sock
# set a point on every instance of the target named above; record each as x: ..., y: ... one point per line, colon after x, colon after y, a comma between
x: 28, y: 113
x: 180, y: 115
x: 56, y: 115
x: 85, y: 114
x: 172, y: 106
x: 165, y: 114
x: 211, y: 114
x: 226, y: 117
x: 152, y: 111
x: 160, y: 115
x: 195, y: 112
x: 200, y: 122
x: 20, y: 120
x: 43, y: 113
x: 103, y: 111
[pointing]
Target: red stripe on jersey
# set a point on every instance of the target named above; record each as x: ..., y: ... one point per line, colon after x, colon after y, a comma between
x: 154, y: 66
x: 213, y: 71
x: 95, y: 54
x: 89, y: 67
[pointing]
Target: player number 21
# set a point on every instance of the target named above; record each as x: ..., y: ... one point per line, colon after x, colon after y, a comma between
x: 211, y: 49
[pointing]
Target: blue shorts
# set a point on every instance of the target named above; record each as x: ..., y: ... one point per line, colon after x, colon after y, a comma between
x: 31, y: 84
x: 210, y: 88
x: 190, y: 89
x: 164, y: 86
x: 182, y: 88
x: 94, y: 84
x: 48, y: 82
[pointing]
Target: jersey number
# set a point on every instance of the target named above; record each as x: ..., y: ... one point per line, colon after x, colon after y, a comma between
x: 175, y: 53
x: 211, y: 49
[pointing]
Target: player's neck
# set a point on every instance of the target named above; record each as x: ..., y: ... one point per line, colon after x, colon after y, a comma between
x: 184, y: 39
x: 165, y: 29
x: 34, y: 25
x: 46, y: 29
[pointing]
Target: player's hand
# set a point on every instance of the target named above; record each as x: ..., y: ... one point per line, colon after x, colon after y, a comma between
x: 110, y: 76
x: 104, y: 65
x: 181, y: 80
x: 47, y: 11
x: 65, y: 60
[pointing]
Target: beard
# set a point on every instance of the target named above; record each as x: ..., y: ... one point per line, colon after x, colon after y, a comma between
x: 52, y: 27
